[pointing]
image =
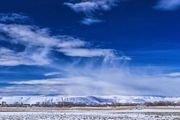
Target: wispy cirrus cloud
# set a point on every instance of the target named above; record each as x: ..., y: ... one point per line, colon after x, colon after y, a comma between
x: 168, y: 5
x: 81, y: 52
x: 173, y: 74
x: 9, y: 57
x: 99, y: 81
x: 110, y: 76
x: 53, y: 73
x: 27, y: 34
x: 52, y: 81
x: 39, y: 49
x: 90, y: 8
x: 39, y: 45
x: 12, y: 17
x: 90, y: 21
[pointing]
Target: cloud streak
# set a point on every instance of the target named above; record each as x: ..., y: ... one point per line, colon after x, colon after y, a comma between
x: 173, y: 74
x: 90, y: 21
x: 54, y: 81
x: 13, y: 17
x: 39, y: 44
x: 91, y: 70
x: 90, y: 8
x: 81, y: 52
x: 168, y: 5
x: 101, y: 81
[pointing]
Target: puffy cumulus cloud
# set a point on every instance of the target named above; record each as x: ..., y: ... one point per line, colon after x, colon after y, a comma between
x: 168, y: 4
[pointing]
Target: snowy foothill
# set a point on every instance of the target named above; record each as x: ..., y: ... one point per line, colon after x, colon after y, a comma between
x: 86, y: 99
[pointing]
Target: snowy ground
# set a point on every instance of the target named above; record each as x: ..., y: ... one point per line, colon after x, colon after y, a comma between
x: 147, y: 114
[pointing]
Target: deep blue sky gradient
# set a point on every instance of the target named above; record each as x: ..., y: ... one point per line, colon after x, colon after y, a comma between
x: 134, y: 28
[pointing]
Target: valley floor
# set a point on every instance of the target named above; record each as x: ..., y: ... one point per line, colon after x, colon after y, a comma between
x: 115, y: 113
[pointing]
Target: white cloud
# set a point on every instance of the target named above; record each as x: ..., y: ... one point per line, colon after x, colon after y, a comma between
x: 86, y: 7
x: 35, y: 36
x: 81, y: 52
x: 12, y: 17
x: 90, y: 21
x: 118, y: 80
x: 90, y: 7
x: 31, y: 90
x: 11, y: 58
x: 174, y: 74
x: 108, y: 55
x: 39, y: 44
x: 168, y: 4
x: 54, y: 81
x: 53, y: 73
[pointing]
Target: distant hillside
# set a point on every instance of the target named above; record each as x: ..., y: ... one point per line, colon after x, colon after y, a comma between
x: 87, y: 100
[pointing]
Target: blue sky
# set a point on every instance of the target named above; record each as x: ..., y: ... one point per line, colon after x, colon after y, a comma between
x: 92, y: 47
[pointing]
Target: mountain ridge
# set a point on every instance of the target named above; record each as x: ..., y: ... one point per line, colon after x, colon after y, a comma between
x: 89, y: 100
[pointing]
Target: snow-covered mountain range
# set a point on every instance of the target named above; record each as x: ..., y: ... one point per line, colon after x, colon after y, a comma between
x: 86, y: 99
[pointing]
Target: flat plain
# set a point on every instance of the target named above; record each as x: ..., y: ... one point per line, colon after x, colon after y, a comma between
x: 90, y: 113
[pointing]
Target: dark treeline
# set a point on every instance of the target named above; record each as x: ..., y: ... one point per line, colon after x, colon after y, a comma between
x: 70, y: 104
x: 162, y: 104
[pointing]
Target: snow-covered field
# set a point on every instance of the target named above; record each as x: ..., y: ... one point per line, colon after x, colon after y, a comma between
x: 148, y: 114
x: 89, y: 113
